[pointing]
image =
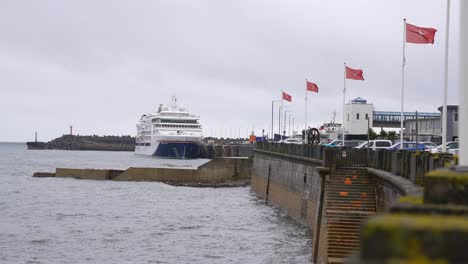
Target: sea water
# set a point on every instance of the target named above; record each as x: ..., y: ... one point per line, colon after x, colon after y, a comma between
x: 57, y: 220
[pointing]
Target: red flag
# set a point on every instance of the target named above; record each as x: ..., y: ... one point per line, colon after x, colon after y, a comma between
x: 419, y: 35
x: 287, y: 97
x: 354, y: 74
x: 311, y: 87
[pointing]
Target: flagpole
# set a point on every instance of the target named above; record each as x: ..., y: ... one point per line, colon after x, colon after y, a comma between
x: 272, y: 103
x: 344, y: 94
x: 444, y: 107
x: 305, y: 122
x: 279, y: 116
x: 272, y: 124
x: 285, y: 123
x: 403, y: 82
x: 279, y: 119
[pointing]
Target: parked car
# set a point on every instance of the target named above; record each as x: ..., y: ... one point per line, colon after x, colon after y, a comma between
x: 408, y: 145
x: 421, y: 147
x: 292, y: 141
x: 352, y: 143
x: 334, y: 143
x: 429, y: 145
x: 348, y: 143
x: 375, y: 144
x: 452, y: 147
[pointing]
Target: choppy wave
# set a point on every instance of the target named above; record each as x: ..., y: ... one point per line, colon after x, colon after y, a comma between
x: 79, y: 221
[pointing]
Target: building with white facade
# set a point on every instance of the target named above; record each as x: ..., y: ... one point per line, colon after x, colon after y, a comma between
x: 358, y: 118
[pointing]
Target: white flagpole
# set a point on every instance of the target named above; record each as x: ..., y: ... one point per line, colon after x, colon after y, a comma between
x: 272, y: 109
x: 403, y: 82
x: 444, y: 107
x: 463, y: 112
x: 279, y: 119
x: 272, y: 124
x: 305, y: 119
x: 344, y: 94
x: 279, y: 116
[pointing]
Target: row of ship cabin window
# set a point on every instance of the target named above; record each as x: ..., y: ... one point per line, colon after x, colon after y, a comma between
x: 178, y: 126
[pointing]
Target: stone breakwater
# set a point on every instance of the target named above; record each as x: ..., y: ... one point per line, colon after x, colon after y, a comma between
x: 220, y: 172
x: 77, y: 142
x: 127, y: 143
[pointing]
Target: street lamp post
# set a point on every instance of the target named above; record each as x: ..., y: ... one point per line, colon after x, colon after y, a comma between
x: 289, y: 125
x: 272, y: 109
x: 279, y: 118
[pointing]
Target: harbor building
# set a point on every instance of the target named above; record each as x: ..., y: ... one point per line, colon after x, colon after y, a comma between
x: 430, y: 128
x: 358, y: 118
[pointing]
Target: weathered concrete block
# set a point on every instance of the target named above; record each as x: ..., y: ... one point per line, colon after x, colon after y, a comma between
x: 446, y: 186
x: 210, y: 152
x: 139, y: 174
x: 218, y: 151
x: 394, y: 168
x: 402, y: 237
x: 244, y: 151
x: 87, y: 174
x: 413, y: 168
x: 227, y: 151
x: 43, y: 174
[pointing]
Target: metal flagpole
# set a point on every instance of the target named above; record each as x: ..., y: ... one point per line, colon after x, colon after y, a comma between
x: 444, y: 107
x: 272, y: 124
x: 344, y: 93
x: 272, y: 103
x: 305, y: 119
x: 279, y: 120
x: 463, y: 112
x: 293, y: 126
x: 403, y: 82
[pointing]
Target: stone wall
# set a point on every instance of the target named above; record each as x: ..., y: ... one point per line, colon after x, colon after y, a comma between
x: 389, y: 188
x: 296, y: 184
x: 211, y: 151
x: 291, y: 182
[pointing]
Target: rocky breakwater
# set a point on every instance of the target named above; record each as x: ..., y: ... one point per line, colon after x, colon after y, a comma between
x: 77, y: 142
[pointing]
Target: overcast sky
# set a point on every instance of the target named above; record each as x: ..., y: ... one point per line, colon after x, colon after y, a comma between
x: 100, y: 65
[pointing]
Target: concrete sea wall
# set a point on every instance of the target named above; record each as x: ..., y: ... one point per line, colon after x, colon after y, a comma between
x: 289, y: 182
x: 390, y: 188
x: 297, y: 184
x: 218, y: 172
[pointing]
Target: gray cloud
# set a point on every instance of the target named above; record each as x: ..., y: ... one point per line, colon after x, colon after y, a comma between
x: 99, y: 65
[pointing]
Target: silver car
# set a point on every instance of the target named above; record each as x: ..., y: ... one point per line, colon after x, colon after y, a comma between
x: 452, y: 147
x: 376, y: 144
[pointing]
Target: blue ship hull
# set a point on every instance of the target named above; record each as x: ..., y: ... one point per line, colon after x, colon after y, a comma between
x: 177, y: 150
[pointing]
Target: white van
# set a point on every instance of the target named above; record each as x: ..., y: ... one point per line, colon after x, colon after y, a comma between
x: 376, y: 144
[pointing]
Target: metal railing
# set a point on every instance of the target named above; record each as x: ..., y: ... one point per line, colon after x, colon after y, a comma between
x: 408, y: 164
x: 302, y: 150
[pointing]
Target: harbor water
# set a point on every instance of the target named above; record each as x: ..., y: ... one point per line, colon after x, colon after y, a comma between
x: 55, y: 220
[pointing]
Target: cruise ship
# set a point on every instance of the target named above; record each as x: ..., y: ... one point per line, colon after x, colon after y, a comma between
x: 171, y: 132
